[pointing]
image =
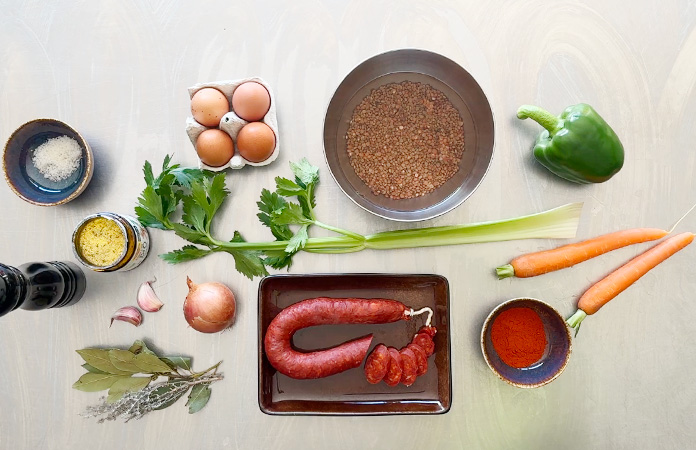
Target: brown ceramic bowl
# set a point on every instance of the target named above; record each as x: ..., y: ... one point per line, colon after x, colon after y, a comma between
x: 556, y: 354
x: 463, y: 92
x: 26, y: 181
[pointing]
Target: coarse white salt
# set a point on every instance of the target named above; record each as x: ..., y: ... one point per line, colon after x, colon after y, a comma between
x: 57, y: 158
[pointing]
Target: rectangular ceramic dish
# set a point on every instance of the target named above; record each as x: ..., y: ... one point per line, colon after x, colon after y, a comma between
x: 348, y: 393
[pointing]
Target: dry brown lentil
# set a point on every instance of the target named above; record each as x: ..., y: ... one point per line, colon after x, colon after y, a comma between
x: 405, y: 140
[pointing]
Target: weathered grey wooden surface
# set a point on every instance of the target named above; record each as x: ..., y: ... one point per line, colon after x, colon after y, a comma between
x: 118, y: 71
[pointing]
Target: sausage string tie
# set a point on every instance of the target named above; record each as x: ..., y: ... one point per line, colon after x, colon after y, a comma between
x: 412, y: 313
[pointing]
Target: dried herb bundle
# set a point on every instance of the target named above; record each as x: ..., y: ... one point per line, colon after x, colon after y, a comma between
x: 130, y: 396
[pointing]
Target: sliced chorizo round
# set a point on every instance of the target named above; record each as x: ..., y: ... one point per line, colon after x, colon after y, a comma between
x: 409, y: 366
x: 429, y: 330
x: 377, y: 364
x: 395, y: 369
x: 421, y: 359
x: 425, y: 342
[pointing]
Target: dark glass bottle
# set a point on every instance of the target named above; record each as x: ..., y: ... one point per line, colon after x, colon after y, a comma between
x: 40, y: 285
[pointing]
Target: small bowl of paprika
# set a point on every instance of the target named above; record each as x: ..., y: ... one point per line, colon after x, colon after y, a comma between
x: 526, y: 342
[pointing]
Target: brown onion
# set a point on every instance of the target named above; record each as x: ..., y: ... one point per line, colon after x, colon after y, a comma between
x: 209, y: 307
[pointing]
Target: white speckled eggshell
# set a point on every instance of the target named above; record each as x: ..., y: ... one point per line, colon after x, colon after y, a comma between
x: 231, y: 123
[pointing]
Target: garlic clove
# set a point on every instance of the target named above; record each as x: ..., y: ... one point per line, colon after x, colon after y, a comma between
x: 129, y: 314
x: 147, y: 299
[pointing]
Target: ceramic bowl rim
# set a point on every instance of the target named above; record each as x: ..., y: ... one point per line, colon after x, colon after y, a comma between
x: 487, y: 323
x: 87, y: 152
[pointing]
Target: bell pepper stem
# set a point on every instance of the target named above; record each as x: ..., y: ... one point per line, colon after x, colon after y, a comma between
x: 544, y: 118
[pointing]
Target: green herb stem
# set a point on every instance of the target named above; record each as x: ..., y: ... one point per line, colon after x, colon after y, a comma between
x: 559, y: 222
x: 321, y: 244
x: 356, y: 236
x: 200, y: 374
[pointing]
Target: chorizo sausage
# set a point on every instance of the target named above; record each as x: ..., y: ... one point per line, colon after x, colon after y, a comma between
x: 424, y: 341
x: 421, y: 359
x: 409, y: 366
x: 395, y: 369
x: 429, y: 330
x: 325, y: 311
x: 377, y: 364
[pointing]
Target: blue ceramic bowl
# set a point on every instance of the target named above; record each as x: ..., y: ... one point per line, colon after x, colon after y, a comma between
x: 556, y: 354
x: 26, y: 181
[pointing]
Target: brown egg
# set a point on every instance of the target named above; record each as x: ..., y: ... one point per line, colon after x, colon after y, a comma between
x: 208, y: 106
x: 256, y: 142
x: 251, y: 101
x: 214, y: 147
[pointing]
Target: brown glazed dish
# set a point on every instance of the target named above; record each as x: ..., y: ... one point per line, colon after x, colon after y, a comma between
x: 348, y: 393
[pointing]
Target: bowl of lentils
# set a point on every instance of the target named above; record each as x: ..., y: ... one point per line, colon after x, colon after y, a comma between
x: 47, y: 163
x: 408, y: 135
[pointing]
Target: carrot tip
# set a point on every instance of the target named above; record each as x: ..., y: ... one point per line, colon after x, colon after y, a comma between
x: 505, y: 271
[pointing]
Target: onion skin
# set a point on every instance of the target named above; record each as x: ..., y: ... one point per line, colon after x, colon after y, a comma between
x: 209, y: 307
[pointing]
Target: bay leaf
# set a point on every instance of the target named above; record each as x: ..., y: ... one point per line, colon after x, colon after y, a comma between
x: 164, y: 390
x: 113, y: 398
x: 123, y: 360
x: 99, y: 359
x: 150, y: 363
x: 124, y: 385
x: 198, y: 398
x: 140, y: 347
x: 94, y: 382
x: 177, y: 361
x: 91, y: 369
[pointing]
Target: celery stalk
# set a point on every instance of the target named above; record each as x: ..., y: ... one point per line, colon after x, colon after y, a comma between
x: 561, y: 222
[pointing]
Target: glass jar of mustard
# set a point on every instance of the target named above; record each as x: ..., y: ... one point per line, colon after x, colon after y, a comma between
x: 106, y: 242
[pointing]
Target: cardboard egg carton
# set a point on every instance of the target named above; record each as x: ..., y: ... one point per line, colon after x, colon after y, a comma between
x: 231, y: 123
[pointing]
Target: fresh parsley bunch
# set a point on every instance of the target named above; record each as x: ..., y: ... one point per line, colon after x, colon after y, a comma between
x: 201, y: 194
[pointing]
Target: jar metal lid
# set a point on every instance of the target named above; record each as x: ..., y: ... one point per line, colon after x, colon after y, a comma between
x: 78, y: 230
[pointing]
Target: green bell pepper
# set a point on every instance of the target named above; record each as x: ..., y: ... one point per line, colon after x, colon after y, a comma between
x: 578, y: 145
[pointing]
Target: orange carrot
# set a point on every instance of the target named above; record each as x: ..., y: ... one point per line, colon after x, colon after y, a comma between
x: 533, y: 264
x: 620, y: 279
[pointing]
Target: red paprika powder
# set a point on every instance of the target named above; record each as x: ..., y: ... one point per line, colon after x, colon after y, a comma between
x: 518, y: 337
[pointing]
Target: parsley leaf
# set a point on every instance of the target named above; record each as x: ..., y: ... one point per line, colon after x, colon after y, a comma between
x: 288, y: 188
x: 271, y: 203
x: 278, y: 259
x: 193, y: 214
x: 305, y: 172
x: 291, y: 214
x: 216, y: 191
x: 149, y: 209
x: 165, y: 163
x: 147, y: 171
x: 247, y: 262
x: 190, y: 234
x: 185, y: 253
x: 298, y: 241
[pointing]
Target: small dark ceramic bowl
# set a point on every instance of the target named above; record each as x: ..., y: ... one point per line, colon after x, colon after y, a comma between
x: 26, y: 181
x: 556, y: 354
